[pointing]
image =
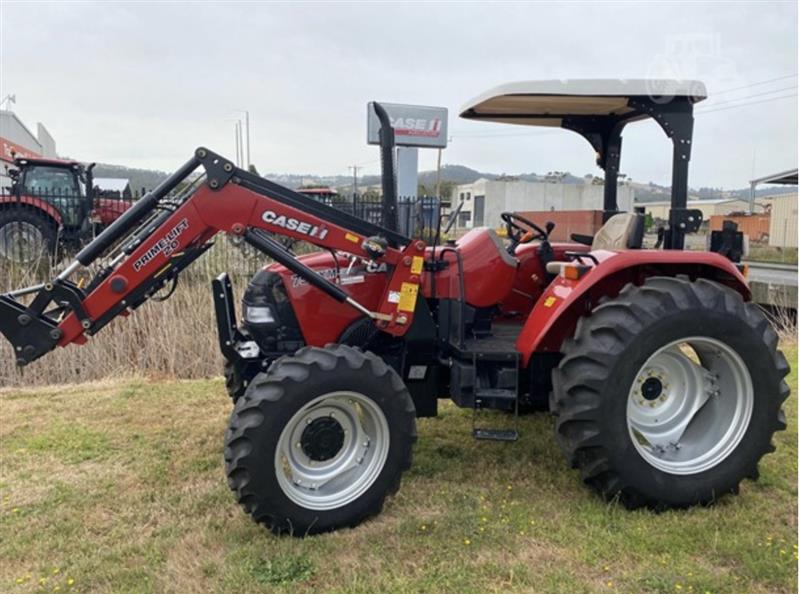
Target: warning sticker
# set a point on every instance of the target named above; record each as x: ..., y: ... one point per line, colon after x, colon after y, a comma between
x: 351, y: 237
x: 394, y: 296
x: 550, y: 301
x: 416, y: 265
x: 408, y: 297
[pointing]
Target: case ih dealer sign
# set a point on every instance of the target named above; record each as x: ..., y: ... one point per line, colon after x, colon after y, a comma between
x: 414, y: 125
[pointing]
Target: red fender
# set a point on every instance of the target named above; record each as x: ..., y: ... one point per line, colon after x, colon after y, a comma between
x: 38, y: 203
x: 557, y: 311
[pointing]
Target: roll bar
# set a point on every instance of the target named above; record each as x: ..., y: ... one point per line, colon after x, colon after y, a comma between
x: 676, y: 119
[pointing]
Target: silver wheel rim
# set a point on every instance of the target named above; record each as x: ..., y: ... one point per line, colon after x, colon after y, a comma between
x: 349, y: 471
x: 690, y: 405
x: 21, y: 241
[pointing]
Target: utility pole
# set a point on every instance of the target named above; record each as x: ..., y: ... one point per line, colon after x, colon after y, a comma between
x: 244, y: 134
x: 241, y: 144
x: 247, y: 131
x: 236, y: 141
x: 439, y: 176
x: 355, y: 169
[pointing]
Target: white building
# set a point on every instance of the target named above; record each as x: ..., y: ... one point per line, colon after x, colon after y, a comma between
x: 485, y: 199
x: 783, y: 221
x: 16, y: 138
x: 714, y: 206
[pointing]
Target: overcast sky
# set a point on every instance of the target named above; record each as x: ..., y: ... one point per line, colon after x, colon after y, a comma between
x: 143, y: 84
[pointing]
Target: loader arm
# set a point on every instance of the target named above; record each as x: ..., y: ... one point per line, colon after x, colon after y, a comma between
x: 163, y: 233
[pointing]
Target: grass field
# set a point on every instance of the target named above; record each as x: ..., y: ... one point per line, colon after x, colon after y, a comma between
x: 118, y: 487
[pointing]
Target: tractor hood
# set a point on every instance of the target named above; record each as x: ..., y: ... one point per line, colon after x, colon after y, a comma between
x: 548, y: 102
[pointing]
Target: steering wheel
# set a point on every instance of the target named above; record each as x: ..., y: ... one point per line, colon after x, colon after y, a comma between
x: 519, y: 234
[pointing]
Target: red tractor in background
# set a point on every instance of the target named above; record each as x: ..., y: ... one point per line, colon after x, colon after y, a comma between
x: 51, y: 202
x: 666, y: 381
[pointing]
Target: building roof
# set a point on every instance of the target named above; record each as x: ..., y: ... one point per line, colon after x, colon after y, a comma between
x: 547, y: 102
x: 112, y: 184
x: 788, y: 178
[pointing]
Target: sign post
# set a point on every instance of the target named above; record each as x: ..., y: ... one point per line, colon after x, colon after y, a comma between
x: 415, y: 126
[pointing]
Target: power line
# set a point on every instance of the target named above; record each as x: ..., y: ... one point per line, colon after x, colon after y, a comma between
x: 711, y: 104
x: 366, y: 163
x: 746, y: 104
x: 755, y: 84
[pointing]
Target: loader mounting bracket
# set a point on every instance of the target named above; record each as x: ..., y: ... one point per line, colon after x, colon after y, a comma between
x: 219, y: 170
x: 30, y: 335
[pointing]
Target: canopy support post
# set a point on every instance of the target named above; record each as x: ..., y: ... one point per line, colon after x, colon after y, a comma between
x: 677, y: 121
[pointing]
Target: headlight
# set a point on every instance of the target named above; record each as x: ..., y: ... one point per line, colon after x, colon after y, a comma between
x: 260, y: 314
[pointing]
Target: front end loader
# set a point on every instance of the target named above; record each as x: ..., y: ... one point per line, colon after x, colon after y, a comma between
x: 665, y: 379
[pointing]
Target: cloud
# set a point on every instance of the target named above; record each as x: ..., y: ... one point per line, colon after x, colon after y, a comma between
x: 142, y: 84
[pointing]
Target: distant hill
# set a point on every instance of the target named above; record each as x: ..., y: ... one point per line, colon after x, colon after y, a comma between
x: 139, y: 178
x: 644, y: 193
x: 451, y: 175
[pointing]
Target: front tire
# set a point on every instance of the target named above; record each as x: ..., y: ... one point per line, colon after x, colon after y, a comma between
x: 318, y: 441
x: 669, y: 394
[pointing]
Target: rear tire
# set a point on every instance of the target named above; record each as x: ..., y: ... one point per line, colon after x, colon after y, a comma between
x: 612, y: 386
x: 320, y: 413
x: 26, y: 235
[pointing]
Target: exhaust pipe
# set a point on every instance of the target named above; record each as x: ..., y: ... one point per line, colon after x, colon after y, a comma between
x: 388, y: 176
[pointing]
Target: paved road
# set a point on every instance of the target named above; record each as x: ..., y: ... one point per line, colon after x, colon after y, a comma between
x: 776, y: 274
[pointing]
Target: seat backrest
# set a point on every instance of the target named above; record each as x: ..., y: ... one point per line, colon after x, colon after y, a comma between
x: 620, y: 232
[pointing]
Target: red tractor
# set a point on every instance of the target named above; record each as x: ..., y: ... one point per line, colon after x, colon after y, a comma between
x: 665, y: 379
x: 50, y: 202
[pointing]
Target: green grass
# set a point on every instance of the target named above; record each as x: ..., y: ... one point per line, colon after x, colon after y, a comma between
x: 766, y: 253
x: 118, y: 487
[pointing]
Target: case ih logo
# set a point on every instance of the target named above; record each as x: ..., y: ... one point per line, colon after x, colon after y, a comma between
x: 414, y: 125
x: 291, y: 224
x: 167, y: 244
x: 417, y: 126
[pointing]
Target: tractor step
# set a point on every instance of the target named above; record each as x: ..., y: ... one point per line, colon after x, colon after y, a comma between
x: 497, y: 398
x: 495, y: 434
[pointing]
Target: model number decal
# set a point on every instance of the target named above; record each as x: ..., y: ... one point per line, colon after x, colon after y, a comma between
x: 331, y: 274
x: 167, y: 244
x: 291, y: 224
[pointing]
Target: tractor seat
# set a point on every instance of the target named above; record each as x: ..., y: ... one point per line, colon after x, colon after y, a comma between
x: 623, y: 231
